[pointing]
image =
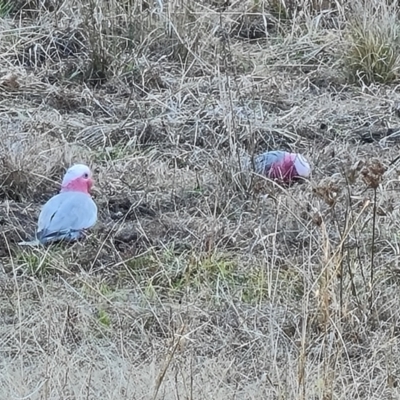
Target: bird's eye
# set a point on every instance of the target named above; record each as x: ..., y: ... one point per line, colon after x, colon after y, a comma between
x: 86, y: 175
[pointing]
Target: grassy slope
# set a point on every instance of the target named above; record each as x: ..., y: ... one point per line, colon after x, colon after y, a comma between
x: 199, y: 281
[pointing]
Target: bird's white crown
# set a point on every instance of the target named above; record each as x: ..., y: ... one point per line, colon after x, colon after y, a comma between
x: 302, y: 166
x: 76, y: 171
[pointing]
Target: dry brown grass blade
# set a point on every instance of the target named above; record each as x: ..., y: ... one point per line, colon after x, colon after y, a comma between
x: 168, y: 359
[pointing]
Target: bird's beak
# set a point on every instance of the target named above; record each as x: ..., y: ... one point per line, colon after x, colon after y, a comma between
x: 89, y: 184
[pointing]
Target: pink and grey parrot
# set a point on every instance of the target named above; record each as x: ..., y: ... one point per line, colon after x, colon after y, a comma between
x: 66, y: 215
x: 282, y: 166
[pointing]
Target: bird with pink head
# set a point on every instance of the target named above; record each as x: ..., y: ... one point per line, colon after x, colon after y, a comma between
x: 282, y: 166
x: 69, y: 213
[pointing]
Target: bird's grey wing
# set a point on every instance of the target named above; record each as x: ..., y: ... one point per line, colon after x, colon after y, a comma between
x: 67, y: 212
x: 264, y: 162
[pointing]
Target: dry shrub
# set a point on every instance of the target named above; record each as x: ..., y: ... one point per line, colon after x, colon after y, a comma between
x: 371, y: 53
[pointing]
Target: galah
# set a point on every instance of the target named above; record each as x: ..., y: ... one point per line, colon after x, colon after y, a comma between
x: 66, y: 215
x: 282, y: 166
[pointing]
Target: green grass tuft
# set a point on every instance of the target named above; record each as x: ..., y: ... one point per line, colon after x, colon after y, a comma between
x: 6, y: 7
x: 104, y: 318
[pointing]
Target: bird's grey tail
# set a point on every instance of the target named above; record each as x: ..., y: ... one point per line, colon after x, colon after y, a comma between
x: 45, y: 237
x: 67, y: 235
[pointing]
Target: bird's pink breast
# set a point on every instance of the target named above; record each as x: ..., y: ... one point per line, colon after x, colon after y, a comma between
x: 77, y: 185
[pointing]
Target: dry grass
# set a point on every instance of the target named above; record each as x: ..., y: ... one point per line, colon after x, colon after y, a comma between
x: 200, y: 280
